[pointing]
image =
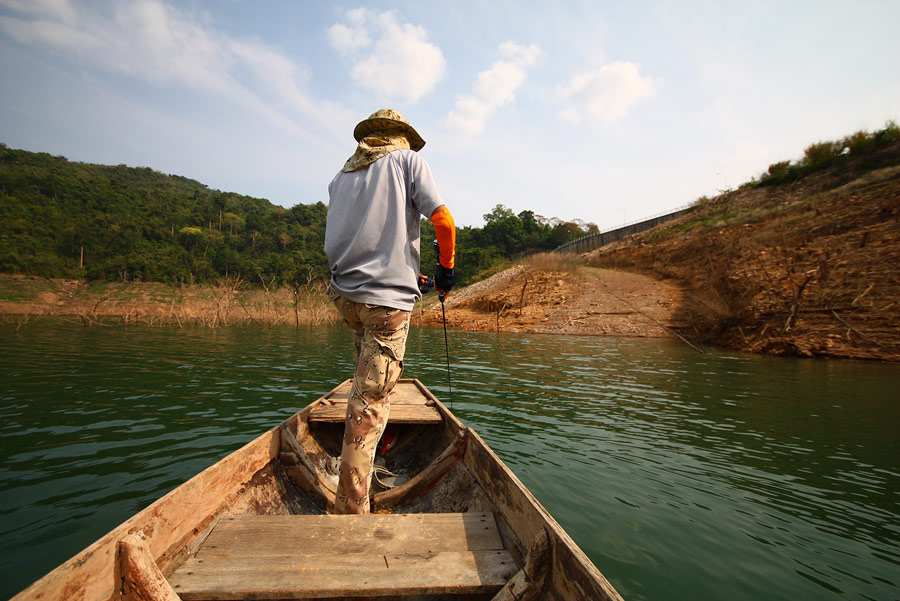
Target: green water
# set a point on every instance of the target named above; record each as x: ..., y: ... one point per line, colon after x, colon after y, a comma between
x: 682, y: 476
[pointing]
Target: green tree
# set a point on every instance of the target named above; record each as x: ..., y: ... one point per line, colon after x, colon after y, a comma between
x: 139, y: 223
x: 503, y: 230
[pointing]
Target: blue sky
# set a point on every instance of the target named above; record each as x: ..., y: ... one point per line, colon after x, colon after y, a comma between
x: 602, y: 111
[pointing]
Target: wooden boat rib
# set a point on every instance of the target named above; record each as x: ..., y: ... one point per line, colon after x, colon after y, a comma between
x: 257, y: 524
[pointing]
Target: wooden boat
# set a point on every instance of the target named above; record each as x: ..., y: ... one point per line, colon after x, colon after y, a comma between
x: 256, y: 525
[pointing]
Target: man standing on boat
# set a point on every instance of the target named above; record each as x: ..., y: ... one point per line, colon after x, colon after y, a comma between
x: 372, y: 242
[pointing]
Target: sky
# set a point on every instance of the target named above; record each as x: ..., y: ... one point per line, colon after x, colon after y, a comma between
x: 607, y: 112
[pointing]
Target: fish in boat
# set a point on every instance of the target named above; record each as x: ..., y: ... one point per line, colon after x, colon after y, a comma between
x: 449, y: 521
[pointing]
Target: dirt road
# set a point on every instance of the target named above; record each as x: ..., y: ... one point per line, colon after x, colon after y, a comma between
x: 581, y: 301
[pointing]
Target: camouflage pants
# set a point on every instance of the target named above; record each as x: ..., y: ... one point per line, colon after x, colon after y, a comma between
x: 380, y: 340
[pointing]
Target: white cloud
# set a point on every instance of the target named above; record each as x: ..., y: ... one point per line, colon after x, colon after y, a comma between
x: 605, y: 93
x: 56, y: 10
x: 388, y: 58
x: 351, y: 36
x: 156, y: 42
x: 47, y: 32
x: 493, y: 88
x: 275, y: 72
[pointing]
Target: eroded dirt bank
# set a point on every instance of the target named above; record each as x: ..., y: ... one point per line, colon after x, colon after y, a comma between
x: 578, y: 301
x: 806, y: 269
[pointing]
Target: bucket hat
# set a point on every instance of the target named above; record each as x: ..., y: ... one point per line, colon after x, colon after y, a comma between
x: 388, y: 120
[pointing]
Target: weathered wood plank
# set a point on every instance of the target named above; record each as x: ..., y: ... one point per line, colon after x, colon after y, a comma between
x: 343, y: 575
x: 400, y: 414
x: 405, y: 392
x: 266, y: 535
x: 528, y: 583
x: 138, y: 573
x: 295, y: 557
x: 307, y: 475
x: 451, y: 420
x: 410, y: 404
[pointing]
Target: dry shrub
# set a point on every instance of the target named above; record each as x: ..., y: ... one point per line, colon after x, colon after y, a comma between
x: 551, y: 262
x: 312, y: 305
x: 228, y: 302
x: 821, y: 152
x: 303, y: 304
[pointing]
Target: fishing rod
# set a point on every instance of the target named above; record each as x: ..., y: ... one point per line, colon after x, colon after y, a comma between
x: 424, y: 286
x: 446, y: 348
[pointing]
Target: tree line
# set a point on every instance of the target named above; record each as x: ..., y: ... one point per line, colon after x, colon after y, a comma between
x: 65, y: 219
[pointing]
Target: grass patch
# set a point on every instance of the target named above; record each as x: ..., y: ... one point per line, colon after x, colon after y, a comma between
x: 24, y: 289
x: 660, y: 234
x: 551, y: 262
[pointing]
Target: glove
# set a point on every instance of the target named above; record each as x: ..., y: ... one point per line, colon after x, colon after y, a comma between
x: 443, y: 279
x: 425, y: 283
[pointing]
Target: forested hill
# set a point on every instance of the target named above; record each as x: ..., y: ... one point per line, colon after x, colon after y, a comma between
x: 60, y: 218
x: 65, y: 219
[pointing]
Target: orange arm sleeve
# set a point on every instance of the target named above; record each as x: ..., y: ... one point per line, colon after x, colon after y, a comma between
x: 445, y: 232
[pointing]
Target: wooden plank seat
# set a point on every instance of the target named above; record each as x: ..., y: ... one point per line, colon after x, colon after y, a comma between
x: 319, y: 556
x: 409, y: 405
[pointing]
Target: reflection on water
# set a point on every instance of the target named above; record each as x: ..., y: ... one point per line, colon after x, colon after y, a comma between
x: 719, y: 476
x: 681, y: 475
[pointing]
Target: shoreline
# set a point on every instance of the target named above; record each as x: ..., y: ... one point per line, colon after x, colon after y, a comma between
x: 567, y: 301
x: 155, y: 304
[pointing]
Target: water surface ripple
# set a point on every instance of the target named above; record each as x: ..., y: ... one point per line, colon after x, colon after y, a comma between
x: 681, y: 475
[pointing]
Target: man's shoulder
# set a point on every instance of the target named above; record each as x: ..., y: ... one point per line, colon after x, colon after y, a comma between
x: 407, y: 156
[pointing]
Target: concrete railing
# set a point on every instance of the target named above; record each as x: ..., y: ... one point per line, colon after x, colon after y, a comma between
x: 594, y: 241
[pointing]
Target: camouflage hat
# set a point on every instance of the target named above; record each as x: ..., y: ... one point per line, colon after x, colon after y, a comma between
x: 388, y: 120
